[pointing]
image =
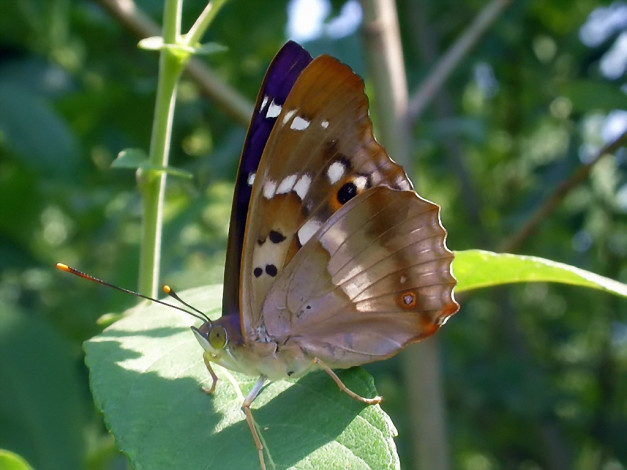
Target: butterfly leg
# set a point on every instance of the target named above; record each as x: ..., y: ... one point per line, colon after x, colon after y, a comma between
x: 251, y: 421
x: 214, y: 377
x: 344, y: 388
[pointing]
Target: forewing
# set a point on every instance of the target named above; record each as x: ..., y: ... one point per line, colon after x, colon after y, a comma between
x: 280, y: 77
x: 321, y: 153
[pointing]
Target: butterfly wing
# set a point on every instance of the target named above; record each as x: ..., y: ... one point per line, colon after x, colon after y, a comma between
x: 320, y: 154
x: 280, y: 77
x: 374, y: 278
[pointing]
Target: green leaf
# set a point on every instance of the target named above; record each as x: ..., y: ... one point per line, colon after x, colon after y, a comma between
x: 41, y: 408
x: 475, y: 269
x: 131, y: 158
x: 35, y: 132
x: 146, y: 374
x: 11, y: 461
x: 155, y: 43
x: 586, y: 95
x: 138, y: 159
x: 210, y: 48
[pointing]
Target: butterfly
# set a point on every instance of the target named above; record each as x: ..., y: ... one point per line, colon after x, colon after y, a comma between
x: 333, y: 260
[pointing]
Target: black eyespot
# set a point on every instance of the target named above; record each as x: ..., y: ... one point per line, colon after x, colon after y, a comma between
x: 290, y: 373
x: 347, y: 192
x: 257, y: 271
x: 271, y: 270
x: 276, y: 237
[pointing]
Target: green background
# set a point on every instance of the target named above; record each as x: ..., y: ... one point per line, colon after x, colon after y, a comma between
x: 534, y: 375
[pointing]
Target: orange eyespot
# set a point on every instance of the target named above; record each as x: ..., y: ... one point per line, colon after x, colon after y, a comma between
x: 407, y: 300
x: 334, y: 204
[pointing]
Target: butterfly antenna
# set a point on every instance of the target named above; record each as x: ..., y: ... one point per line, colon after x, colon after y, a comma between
x: 168, y: 290
x: 202, y: 317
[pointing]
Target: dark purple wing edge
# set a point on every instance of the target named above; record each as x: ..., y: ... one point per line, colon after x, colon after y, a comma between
x: 285, y: 68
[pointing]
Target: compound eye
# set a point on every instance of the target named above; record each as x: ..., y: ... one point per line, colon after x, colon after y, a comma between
x: 217, y: 337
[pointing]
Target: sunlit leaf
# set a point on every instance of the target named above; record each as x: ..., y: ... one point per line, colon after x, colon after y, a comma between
x: 12, y: 461
x: 146, y: 377
x: 475, y: 269
x: 153, y: 43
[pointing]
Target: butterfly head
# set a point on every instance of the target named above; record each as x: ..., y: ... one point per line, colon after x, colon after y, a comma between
x: 216, y: 337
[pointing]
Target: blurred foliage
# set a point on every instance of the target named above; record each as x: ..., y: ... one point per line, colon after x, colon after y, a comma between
x: 534, y: 374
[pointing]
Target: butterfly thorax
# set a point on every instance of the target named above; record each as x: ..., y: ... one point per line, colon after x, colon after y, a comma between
x: 223, y: 344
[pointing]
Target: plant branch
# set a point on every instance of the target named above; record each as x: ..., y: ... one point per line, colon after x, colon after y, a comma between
x: 386, y: 70
x: 172, y: 21
x: 429, y: 87
x: 203, y: 21
x: 421, y: 367
x: 551, y: 202
x: 141, y: 26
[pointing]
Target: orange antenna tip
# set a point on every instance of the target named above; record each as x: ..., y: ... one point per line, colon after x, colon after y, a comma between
x: 63, y: 267
x: 166, y: 289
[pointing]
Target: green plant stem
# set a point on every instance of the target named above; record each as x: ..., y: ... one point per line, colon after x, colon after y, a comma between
x: 202, y: 23
x: 152, y: 183
x: 227, y: 99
